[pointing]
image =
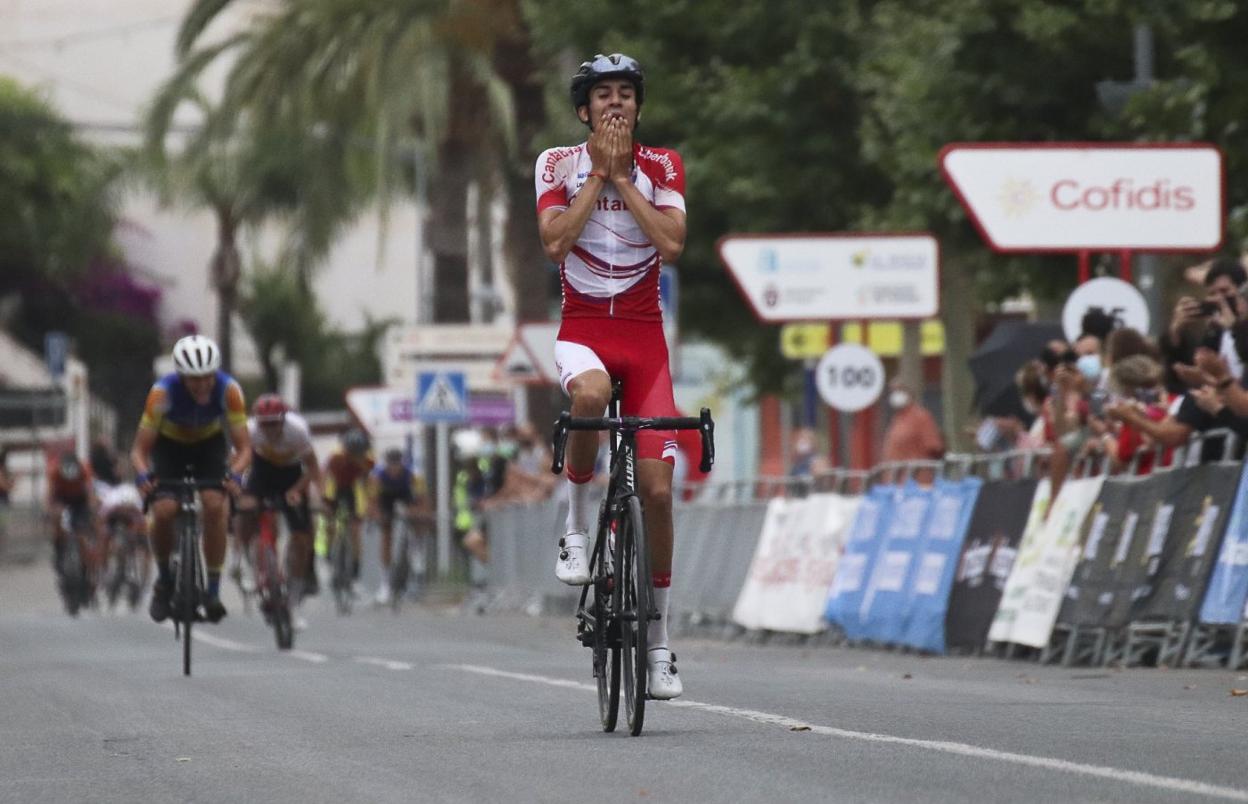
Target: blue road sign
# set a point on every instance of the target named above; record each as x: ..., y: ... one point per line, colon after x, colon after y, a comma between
x: 441, y: 396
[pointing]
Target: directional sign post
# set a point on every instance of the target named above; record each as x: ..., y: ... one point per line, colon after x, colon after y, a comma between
x: 835, y: 277
x: 442, y: 399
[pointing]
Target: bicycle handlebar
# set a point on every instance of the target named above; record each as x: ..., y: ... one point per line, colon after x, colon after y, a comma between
x: 567, y: 422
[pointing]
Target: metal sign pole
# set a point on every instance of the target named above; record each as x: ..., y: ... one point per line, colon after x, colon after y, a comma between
x: 445, y: 481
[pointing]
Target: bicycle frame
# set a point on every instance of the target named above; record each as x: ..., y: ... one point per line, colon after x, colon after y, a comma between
x: 616, y: 628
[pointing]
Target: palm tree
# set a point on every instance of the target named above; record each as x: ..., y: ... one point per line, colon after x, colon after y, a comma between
x: 418, y: 74
x: 250, y: 169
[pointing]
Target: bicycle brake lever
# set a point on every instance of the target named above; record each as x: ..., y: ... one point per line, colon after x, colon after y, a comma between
x: 559, y: 443
x: 707, y: 429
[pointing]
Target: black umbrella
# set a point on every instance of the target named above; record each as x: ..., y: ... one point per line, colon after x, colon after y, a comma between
x: 999, y: 358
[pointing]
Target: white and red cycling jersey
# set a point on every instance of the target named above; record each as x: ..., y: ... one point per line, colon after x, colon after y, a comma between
x: 613, y: 270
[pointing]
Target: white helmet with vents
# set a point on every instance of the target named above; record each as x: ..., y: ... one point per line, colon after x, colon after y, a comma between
x: 196, y: 356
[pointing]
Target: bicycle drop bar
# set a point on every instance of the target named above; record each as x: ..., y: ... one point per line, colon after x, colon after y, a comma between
x: 703, y: 423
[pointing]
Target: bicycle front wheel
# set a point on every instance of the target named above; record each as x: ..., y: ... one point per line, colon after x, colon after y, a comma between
x: 340, y: 560
x: 633, y: 579
x: 400, y: 570
x: 187, y: 592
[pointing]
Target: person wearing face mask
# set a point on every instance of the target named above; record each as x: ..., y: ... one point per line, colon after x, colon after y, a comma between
x: 807, y: 461
x: 912, y: 434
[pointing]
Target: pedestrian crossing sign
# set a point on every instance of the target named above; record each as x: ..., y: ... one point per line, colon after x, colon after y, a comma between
x: 441, y: 396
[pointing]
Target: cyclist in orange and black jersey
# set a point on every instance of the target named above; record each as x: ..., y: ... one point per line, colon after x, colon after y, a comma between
x: 346, y: 471
x: 69, y: 488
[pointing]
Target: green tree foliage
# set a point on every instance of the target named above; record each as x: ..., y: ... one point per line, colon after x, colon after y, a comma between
x: 55, y: 193
x: 56, y: 251
x: 286, y: 322
x: 758, y: 99
x: 824, y: 116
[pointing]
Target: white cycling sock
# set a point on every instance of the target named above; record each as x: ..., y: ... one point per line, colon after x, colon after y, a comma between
x: 656, y: 631
x: 580, y: 500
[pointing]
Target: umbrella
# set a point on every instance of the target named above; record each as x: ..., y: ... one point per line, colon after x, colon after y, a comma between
x: 999, y: 358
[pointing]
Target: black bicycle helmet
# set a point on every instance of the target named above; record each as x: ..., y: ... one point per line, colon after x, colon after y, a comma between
x: 355, y: 441
x: 600, y: 68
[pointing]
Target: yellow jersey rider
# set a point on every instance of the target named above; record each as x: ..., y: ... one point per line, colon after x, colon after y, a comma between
x: 189, y: 414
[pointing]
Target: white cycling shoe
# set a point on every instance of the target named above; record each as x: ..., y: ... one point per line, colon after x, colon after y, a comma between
x: 662, y: 679
x: 572, y: 564
x: 384, y: 596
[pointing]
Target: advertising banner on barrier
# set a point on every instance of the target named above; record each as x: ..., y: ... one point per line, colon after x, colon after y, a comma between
x: 1111, y: 524
x: 1228, y: 588
x: 795, y: 563
x: 1129, y: 562
x: 881, y: 614
x: 1042, y: 572
x: 1177, y: 571
x: 1003, y: 511
x: 857, y: 563
x: 932, y: 576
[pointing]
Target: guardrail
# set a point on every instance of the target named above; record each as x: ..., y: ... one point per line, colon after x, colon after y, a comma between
x: 882, y: 558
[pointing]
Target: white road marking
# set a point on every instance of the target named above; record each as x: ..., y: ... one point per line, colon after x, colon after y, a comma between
x: 221, y: 642
x: 1175, y: 784
x: 389, y: 664
x: 307, y: 656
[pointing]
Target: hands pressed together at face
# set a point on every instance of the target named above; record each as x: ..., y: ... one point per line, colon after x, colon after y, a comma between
x: 611, y: 149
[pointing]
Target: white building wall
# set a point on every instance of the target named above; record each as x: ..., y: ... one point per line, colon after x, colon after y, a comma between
x: 98, y: 62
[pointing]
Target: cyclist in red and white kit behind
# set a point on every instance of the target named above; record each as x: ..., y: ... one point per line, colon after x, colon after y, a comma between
x: 611, y: 211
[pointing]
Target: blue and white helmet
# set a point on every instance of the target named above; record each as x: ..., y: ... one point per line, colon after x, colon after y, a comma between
x: 196, y: 356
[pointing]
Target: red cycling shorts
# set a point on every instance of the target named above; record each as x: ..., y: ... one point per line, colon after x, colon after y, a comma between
x: 635, y: 354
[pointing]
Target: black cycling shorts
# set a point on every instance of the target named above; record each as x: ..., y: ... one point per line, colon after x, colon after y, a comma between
x: 207, y: 459
x: 386, y: 500
x: 268, y: 481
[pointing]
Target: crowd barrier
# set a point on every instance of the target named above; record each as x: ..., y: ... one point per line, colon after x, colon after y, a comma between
x: 970, y: 555
x: 23, y: 535
x: 711, y: 557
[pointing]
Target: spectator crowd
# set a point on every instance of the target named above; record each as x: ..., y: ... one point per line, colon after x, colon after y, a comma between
x: 1119, y: 397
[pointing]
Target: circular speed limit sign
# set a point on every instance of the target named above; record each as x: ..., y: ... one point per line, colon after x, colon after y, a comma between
x: 849, y: 377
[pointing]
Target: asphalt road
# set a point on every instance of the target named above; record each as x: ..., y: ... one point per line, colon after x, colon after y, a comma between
x: 435, y: 705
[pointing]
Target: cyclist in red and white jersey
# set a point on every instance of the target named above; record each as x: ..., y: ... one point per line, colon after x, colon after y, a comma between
x: 611, y: 211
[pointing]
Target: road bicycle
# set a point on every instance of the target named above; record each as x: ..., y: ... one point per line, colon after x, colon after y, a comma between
x: 271, y: 582
x: 189, y: 582
x: 404, y: 571
x: 76, y: 562
x: 341, y: 556
x: 616, y: 606
x: 129, y: 565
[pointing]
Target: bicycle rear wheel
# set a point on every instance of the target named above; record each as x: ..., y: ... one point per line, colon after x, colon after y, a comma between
x: 633, y: 580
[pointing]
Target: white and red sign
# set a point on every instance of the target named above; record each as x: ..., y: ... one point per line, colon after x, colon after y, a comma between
x: 826, y: 277
x: 1067, y: 197
x: 849, y: 377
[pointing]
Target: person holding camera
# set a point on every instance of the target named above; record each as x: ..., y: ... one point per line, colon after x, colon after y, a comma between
x: 1224, y: 308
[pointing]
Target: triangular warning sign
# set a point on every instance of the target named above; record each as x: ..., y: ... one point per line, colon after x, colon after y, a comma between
x: 517, y: 365
x: 441, y: 399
